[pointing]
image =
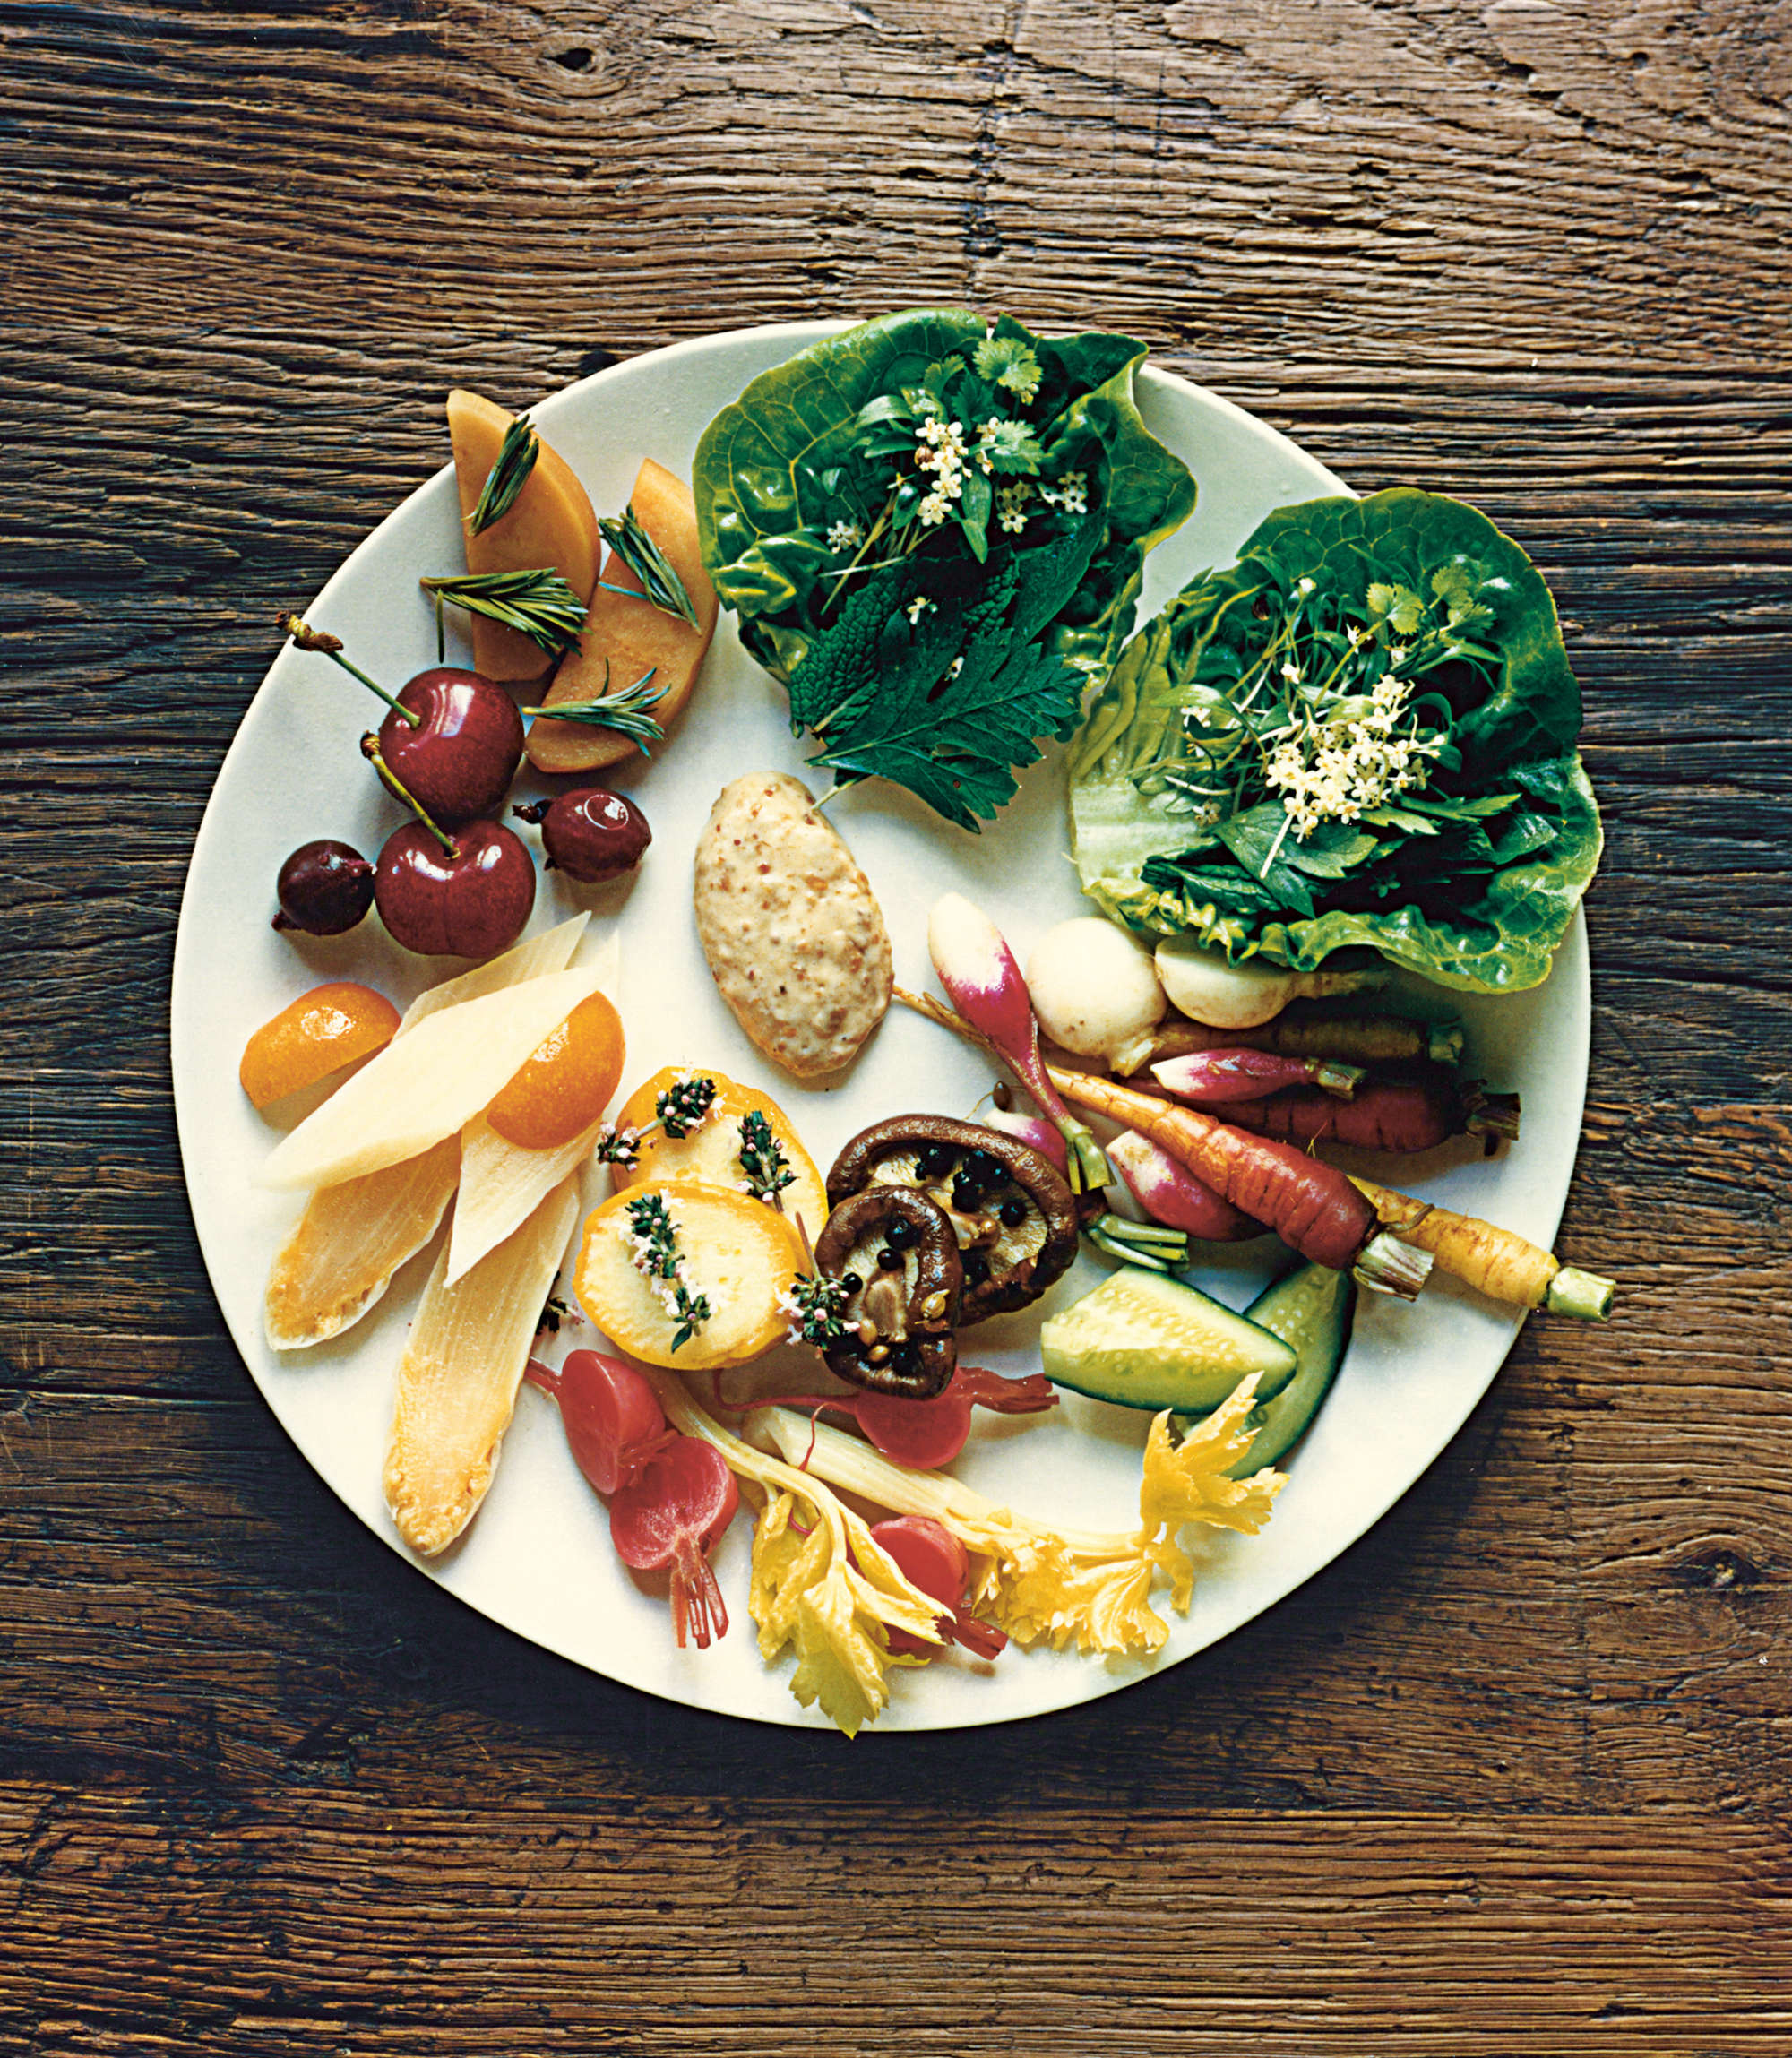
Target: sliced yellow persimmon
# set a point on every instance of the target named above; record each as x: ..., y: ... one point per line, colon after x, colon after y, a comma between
x: 566, y: 1081
x: 710, y: 1154
x: 623, y: 638
x: 458, y: 1378
x: 333, y: 1025
x: 349, y: 1241
x: 550, y: 525
x: 735, y: 1254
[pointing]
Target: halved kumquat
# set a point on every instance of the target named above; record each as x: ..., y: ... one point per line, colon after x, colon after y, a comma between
x: 566, y: 1081
x: 330, y: 1027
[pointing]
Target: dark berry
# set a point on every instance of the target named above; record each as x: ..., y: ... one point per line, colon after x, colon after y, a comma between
x: 934, y: 1160
x: 986, y: 1170
x: 590, y: 833
x: 324, y: 887
x: 1013, y: 1212
x: 901, y: 1235
x: 976, y: 1268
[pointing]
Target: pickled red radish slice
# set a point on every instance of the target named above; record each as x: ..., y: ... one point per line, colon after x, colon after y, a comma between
x: 565, y: 1083
x: 331, y: 1026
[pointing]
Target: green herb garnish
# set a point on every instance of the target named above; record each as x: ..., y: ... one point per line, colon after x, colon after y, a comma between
x: 655, y: 1237
x: 540, y: 604
x: 815, y: 1306
x: 625, y: 712
x: 684, y: 1105
x: 767, y: 1168
x: 649, y: 562
x: 507, y: 477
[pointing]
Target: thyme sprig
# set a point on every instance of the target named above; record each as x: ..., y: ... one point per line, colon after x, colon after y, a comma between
x: 507, y: 477
x: 685, y: 1106
x: 539, y: 604
x: 625, y: 712
x: 655, y: 1237
x: 660, y: 583
x: 814, y: 1306
x: 766, y: 1169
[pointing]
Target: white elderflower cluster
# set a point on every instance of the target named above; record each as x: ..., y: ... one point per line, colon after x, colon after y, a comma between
x: 1011, y: 507
x: 940, y: 449
x: 845, y: 536
x: 1071, y: 493
x: 1335, y: 772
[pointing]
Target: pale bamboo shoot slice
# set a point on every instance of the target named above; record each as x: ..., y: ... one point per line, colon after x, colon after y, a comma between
x: 551, y: 952
x: 351, y: 1238
x: 425, y: 1086
x: 458, y: 1378
x: 501, y: 1183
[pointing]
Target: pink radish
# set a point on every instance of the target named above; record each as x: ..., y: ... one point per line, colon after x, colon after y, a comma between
x: 612, y: 1416
x: 1170, y: 1194
x: 922, y: 1434
x: 1032, y: 1129
x: 979, y: 971
x: 932, y: 1558
x: 1211, y: 1077
x: 677, y: 1508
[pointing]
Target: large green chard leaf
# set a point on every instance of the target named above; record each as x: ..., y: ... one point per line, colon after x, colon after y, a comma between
x: 769, y: 484
x: 1472, y: 881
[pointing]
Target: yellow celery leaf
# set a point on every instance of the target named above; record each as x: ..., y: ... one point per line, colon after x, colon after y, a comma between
x: 1042, y: 1592
x: 1187, y: 1483
x: 807, y: 1593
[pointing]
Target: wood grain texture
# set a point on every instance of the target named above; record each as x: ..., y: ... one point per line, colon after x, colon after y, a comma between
x: 1513, y: 1777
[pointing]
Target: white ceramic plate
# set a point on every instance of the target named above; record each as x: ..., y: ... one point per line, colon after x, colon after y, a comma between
x: 538, y: 1558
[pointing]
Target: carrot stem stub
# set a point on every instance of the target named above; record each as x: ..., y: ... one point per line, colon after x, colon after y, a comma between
x: 1495, y: 1261
x: 1310, y: 1205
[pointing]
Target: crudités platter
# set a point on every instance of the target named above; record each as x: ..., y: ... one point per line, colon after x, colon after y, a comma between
x: 538, y: 1559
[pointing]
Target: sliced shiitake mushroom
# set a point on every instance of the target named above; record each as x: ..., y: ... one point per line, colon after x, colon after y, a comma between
x: 898, y: 1256
x: 1010, y: 1208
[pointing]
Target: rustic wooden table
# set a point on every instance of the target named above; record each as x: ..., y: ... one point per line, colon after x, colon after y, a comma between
x: 1511, y: 1778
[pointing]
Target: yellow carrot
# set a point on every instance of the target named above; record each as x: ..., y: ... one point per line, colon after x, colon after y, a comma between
x: 1495, y: 1261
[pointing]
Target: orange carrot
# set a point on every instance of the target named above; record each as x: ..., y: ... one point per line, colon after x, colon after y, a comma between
x: 1310, y: 1206
x: 1495, y: 1261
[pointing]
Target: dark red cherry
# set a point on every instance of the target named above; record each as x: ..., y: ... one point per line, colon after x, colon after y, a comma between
x: 471, y: 905
x: 589, y: 833
x: 459, y: 762
x: 324, y: 887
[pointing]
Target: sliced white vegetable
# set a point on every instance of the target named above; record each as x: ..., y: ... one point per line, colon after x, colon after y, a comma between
x: 425, y: 1086
x: 501, y: 1185
x: 1207, y: 987
x: 1095, y: 988
x: 458, y: 1378
x: 551, y: 952
x: 351, y: 1238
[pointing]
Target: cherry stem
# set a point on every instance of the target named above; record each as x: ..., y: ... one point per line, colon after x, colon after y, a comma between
x: 389, y: 778
x: 307, y: 638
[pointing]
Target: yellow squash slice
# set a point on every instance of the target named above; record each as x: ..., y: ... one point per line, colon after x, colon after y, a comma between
x: 709, y: 1155
x: 458, y: 1378
x: 349, y: 1241
x: 425, y: 1084
x: 738, y: 1256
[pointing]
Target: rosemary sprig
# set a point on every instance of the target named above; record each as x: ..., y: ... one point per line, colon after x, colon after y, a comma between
x: 625, y: 712
x: 767, y: 1168
x: 655, y: 1237
x: 508, y: 476
x: 649, y: 562
x: 540, y: 604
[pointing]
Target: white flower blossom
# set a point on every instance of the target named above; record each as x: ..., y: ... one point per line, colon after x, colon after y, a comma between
x: 845, y: 536
x: 1010, y: 514
x: 918, y: 606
